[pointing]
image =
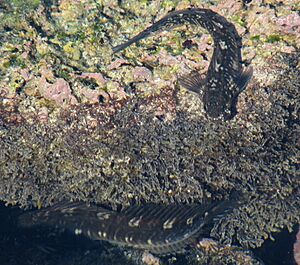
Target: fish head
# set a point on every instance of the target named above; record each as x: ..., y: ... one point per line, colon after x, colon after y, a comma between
x: 221, y: 93
x: 218, y: 105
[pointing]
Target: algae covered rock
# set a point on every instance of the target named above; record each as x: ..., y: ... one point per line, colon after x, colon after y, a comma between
x: 155, y: 146
x: 136, y: 157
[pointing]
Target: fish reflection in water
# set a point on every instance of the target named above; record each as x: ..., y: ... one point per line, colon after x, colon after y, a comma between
x: 157, y: 228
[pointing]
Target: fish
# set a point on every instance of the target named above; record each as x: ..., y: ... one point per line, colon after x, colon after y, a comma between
x: 157, y: 228
x: 225, y: 78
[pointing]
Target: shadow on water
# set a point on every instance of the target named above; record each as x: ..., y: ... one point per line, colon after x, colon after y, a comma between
x: 280, y: 250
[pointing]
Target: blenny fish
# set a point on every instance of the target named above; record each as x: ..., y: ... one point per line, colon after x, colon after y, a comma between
x: 225, y: 78
x: 158, y: 228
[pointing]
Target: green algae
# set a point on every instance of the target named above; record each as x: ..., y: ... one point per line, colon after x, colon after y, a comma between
x: 16, y: 11
x: 255, y: 37
x: 25, y: 6
x: 239, y: 20
x: 273, y: 38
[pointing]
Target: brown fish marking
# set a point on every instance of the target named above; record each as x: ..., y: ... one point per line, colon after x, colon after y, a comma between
x: 225, y: 78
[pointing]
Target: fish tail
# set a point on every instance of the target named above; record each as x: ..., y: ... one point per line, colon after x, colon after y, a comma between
x: 30, y: 219
x: 170, y: 21
x: 137, y: 38
x: 56, y: 215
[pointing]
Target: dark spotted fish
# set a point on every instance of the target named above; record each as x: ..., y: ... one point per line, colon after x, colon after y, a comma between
x: 157, y: 228
x: 225, y: 77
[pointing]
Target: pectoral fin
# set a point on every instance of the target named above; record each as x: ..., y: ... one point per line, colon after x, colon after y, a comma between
x: 244, y: 79
x: 193, y: 82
